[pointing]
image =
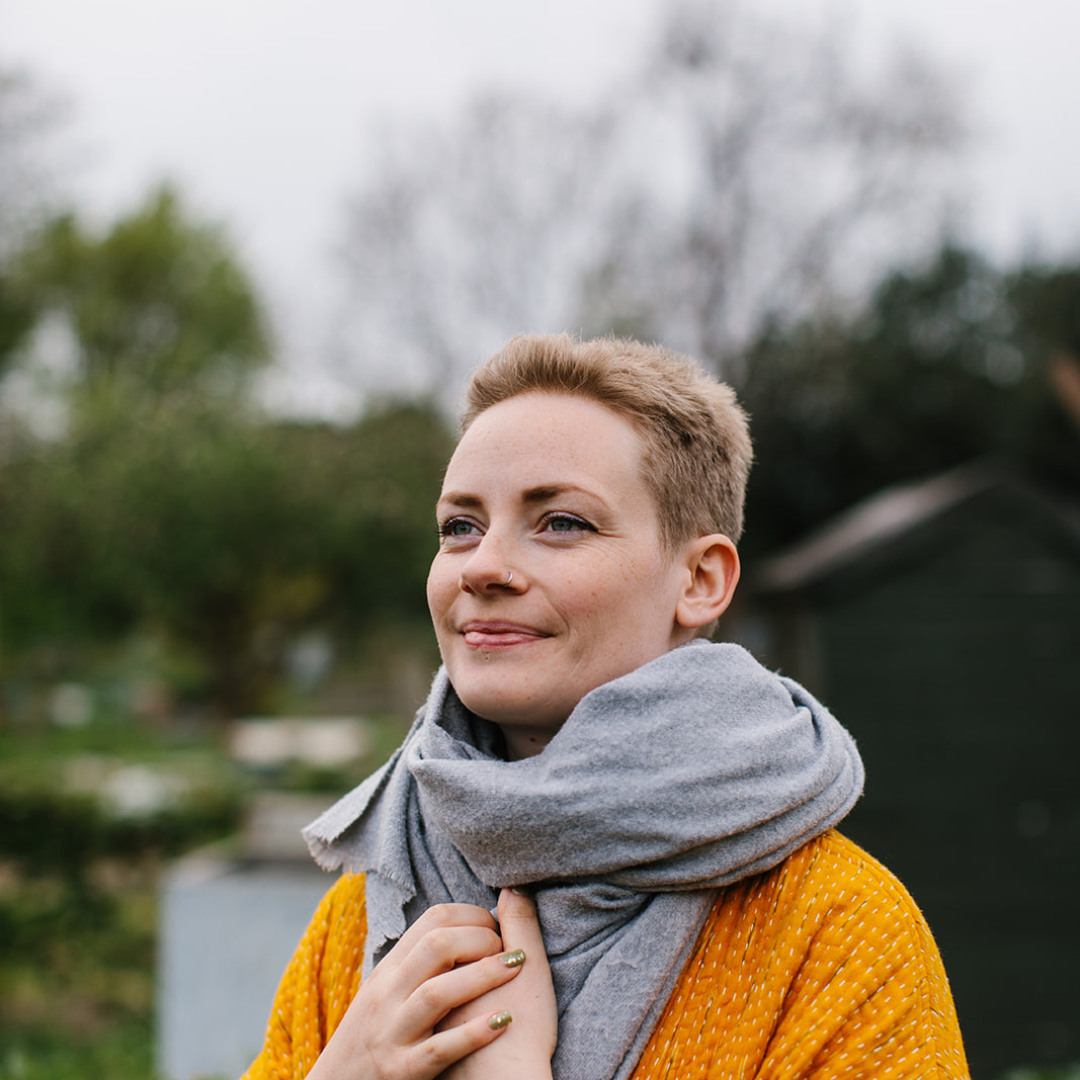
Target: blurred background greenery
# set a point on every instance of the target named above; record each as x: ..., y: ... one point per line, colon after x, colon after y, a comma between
x: 171, y: 558
x: 175, y: 556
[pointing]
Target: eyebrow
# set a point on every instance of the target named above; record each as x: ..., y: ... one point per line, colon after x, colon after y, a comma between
x: 541, y: 494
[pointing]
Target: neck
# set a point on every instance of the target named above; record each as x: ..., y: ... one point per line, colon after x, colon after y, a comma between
x: 524, y: 742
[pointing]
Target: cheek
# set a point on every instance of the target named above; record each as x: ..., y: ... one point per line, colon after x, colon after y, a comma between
x: 637, y: 605
x: 440, y: 590
x: 605, y: 607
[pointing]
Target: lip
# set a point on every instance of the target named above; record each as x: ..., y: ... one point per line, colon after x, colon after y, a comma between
x: 488, y: 634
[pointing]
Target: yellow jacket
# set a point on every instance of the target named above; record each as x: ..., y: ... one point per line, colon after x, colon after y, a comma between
x: 820, y: 968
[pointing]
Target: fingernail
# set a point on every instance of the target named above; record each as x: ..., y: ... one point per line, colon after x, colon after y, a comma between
x: 500, y: 1020
x: 519, y: 889
x: 515, y: 958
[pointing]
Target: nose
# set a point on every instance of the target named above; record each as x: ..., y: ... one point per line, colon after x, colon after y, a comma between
x: 488, y: 569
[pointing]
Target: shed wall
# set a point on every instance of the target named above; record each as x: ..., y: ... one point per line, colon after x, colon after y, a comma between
x: 955, y: 670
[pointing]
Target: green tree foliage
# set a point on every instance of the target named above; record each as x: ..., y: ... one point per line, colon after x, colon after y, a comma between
x: 16, y: 320
x: 170, y: 505
x: 158, y: 305
x: 167, y: 331
x: 945, y: 364
x: 1047, y: 302
x: 222, y: 533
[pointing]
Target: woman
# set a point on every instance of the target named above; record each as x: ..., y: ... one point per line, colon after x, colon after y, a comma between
x: 652, y: 814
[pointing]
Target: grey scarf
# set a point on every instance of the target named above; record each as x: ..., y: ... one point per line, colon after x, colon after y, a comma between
x: 696, y: 770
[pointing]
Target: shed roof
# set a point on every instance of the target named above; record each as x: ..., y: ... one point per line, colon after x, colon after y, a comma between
x: 888, y: 518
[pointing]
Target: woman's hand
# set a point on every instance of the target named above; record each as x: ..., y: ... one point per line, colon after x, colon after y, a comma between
x: 450, y: 956
x: 524, y: 1053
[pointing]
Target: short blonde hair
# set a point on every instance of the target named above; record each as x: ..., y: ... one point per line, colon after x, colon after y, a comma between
x: 697, y: 439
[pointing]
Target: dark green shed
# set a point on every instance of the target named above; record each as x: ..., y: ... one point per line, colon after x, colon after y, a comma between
x: 941, y: 623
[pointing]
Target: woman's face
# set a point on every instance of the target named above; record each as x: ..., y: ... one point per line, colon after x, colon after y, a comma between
x: 547, y: 487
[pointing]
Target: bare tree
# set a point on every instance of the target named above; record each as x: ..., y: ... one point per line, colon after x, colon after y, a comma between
x: 468, y: 234
x: 795, y: 176
x: 744, y: 172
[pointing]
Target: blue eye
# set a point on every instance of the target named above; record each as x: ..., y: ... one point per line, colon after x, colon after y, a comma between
x: 567, y: 523
x: 457, y: 527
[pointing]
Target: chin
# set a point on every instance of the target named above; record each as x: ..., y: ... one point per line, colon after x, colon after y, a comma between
x: 487, y: 696
x: 492, y: 702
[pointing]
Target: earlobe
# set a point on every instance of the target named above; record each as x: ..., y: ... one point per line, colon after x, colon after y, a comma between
x: 712, y: 574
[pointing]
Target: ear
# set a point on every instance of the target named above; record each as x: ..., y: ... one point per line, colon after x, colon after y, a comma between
x: 713, y: 572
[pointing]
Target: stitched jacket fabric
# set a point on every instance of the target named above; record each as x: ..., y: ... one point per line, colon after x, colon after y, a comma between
x: 822, y: 967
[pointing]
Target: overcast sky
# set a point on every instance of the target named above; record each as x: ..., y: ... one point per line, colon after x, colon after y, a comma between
x: 258, y: 108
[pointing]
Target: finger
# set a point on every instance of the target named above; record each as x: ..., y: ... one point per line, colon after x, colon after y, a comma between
x: 533, y: 994
x: 519, y: 925
x: 445, y: 1048
x: 439, y: 951
x: 439, y: 916
x: 441, y: 995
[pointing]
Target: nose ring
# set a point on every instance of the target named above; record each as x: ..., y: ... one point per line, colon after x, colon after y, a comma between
x: 510, y: 577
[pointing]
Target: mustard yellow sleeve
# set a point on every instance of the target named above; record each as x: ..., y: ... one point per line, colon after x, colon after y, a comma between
x: 318, y: 985
x: 823, y: 968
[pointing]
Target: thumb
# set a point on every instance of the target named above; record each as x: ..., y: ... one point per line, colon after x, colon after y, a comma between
x: 519, y: 925
x: 520, y: 929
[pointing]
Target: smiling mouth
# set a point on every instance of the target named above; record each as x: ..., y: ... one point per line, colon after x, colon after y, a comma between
x: 496, y: 635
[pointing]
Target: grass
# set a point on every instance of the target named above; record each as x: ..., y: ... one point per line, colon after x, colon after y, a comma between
x: 121, y: 1052
x: 78, y: 896
x: 76, y: 985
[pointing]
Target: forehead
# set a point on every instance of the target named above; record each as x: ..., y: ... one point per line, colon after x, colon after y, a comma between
x: 539, y: 438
